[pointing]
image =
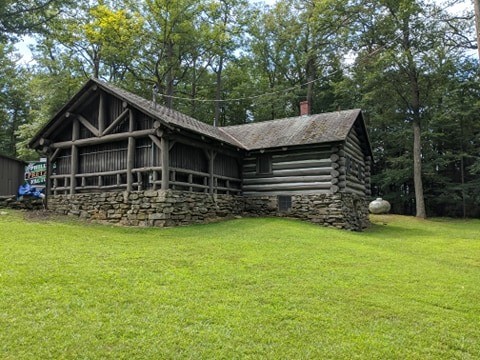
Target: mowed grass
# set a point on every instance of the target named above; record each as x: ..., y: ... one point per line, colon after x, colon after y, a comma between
x: 247, y: 288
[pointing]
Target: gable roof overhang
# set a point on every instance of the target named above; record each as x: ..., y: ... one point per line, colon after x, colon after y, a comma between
x: 300, y: 131
x: 168, y: 118
x: 274, y: 134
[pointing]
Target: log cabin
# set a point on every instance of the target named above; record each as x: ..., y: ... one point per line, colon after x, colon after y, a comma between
x: 116, y: 157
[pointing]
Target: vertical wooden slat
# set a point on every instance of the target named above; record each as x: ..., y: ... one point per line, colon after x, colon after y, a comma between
x: 165, y: 163
x: 130, y: 153
x: 48, y: 185
x: 154, y: 179
x: 101, y: 114
x: 211, y: 162
x: 74, y: 156
x: 190, y: 180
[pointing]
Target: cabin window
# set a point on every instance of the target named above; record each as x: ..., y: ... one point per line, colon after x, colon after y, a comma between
x: 264, y: 164
x: 284, y: 203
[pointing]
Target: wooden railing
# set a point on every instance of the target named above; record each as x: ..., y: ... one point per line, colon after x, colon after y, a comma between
x: 146, y: 178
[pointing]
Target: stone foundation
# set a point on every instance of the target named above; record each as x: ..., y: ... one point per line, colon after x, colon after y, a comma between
x: 341, y: 210
x: 148, y: 208
x: 26, y: 203
x: 174, y: 208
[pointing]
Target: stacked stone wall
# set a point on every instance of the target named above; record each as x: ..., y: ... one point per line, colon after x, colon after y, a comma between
x: 174, y: 208
x: 148, y: 208
x: 341, y: 210
x: 25, y: 203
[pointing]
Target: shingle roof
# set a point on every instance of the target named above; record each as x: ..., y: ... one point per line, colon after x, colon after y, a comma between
x: 170, y: 116
x: 300, y: 130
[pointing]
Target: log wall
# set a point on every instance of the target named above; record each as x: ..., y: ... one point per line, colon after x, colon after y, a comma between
x: 356, y: 177
x: 293, y: 172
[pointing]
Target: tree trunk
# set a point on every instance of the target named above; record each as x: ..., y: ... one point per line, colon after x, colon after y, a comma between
x: 477, y: 23
x: 310, y: 78
x: 169, y: 97
x: 417, y: 170
x: 218, y: 95
x: 416, y: 123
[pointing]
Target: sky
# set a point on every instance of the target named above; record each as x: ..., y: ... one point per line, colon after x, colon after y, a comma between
x: 26, y: 55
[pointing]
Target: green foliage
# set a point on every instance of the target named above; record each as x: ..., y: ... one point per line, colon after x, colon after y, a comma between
x: 13, y: 108
x: 249, y: 288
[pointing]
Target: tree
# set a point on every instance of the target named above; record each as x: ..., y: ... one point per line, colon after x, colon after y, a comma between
x: 27, y: 16
x: 13, y: 109
x: 402, y: 43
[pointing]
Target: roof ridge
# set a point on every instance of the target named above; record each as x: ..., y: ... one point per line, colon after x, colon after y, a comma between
x: 291, y: 118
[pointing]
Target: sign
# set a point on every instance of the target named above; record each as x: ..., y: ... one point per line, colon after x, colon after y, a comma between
x: 36, y: 173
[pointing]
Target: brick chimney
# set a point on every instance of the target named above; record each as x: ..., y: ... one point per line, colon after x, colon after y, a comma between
x: 304, y: 108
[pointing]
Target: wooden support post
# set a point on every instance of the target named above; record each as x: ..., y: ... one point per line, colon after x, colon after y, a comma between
x: 190, y: 180
x: 139, y: 181
x: 165, y: 163
x: 211, y: 161
x: 130, y: 162
x: 154, y: 179
x: 48, y: 189
x: 74, y: 156
x: 101, y: 114
x: 130, y: 153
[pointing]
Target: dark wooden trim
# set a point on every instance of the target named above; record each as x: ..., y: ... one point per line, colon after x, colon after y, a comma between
x: 88, y: 125
x: 116, y: 122
x: 165, y: 162
x: 74, y: 155
x: 103, y: 139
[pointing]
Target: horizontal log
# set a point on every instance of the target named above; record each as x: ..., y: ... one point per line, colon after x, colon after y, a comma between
x: 221, y: 177
x: 291, y: 172
x: 187, y: 171
x: 222, y: 188
x: 354, y: 153
x: 147, y: 169
x: 302, y: 164
x: 291, y: 192
x: 334, y: 189
x: 187, y: 184
x: 316, y: 150
x: 289, y: 186
x: 103, y: 173
x: 334, y: 157
x: 104, y: 187
x: 356, y: 192
x: 358, y: 187
x: 293, y: 156
x: 287, y: 179
x: 103, y: 139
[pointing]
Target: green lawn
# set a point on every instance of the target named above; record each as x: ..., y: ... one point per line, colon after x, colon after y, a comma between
x: 247, y: 288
